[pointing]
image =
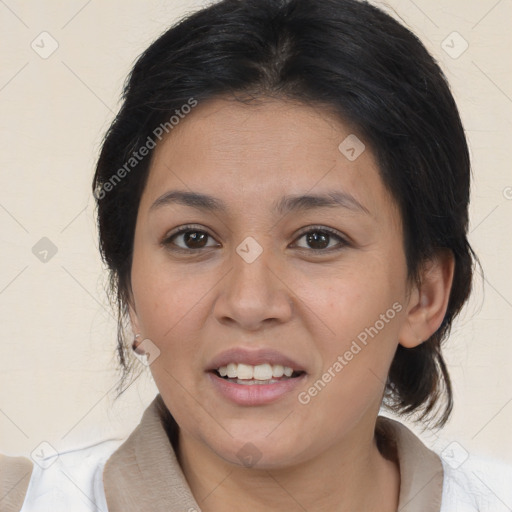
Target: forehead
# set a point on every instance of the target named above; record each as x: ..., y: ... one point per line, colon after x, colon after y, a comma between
x: 256, y: 153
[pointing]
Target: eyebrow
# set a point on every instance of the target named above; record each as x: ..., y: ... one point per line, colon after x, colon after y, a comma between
x: 287, y: 204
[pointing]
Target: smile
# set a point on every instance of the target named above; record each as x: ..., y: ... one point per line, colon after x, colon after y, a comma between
x: 255, y: 385
x: 256, y: 376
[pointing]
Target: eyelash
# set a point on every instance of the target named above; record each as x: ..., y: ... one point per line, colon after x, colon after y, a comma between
x: 343, y: 242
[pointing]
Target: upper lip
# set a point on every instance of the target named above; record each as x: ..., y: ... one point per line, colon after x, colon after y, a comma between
x: 253, y: 357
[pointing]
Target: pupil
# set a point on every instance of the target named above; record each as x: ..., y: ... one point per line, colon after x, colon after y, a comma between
x: 318, y: 237
x: 195, y: 239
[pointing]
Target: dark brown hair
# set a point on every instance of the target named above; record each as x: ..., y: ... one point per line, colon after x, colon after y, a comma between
x: 362, y: 65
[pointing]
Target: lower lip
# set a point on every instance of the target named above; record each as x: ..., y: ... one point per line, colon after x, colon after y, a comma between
x: 256, y: 394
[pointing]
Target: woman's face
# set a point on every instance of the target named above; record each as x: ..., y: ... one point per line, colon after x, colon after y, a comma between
x: 258, y: 283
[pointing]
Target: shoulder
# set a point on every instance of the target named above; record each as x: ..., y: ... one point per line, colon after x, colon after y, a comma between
x: 68, y: 480
x: 476, y: 483
x: 458, y: 480
x: 15, y: 474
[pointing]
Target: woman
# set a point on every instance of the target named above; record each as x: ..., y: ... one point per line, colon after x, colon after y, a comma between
x: 283, y: 206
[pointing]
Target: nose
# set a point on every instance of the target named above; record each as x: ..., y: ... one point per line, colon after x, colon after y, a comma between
x: 253, y: 294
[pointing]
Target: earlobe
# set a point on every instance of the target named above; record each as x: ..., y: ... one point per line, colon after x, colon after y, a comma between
x: 428, y: 301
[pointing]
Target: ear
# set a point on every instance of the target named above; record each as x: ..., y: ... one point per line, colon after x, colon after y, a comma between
x: 428, y: 301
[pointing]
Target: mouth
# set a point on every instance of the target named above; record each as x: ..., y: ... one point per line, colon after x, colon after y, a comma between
x: 260, y: 374
x: 255, y: 377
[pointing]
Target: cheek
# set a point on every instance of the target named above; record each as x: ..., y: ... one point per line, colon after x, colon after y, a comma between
x: 362, y: 310
x: 353, y: 299
x: 166, y: 296
x: 174, y: 309
x: 355, y: 357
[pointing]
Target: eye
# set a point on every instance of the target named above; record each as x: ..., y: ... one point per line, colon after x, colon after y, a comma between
x: 318, y: 238
x: 192, y: 239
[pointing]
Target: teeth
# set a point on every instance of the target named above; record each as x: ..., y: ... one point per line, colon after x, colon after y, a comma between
x: 261, y: 372
x: 231, y: 370
x: 245, y: 371
x: 256, y: 382
x: 277, y: 370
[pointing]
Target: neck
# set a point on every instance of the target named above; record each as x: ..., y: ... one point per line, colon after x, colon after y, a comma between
x: 352, y: 475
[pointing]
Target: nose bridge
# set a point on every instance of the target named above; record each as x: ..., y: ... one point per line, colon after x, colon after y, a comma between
x: 253, y: 293
x: 252, y: 279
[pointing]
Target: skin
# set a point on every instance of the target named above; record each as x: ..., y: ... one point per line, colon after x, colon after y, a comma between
x: 307, y: 304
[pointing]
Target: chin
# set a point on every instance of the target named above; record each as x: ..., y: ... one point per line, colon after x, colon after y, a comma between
x: 257, y: 452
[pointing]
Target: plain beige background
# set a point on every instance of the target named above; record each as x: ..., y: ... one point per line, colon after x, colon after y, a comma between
x: 58, y: 363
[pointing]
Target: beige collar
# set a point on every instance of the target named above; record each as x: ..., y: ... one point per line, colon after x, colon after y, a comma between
x: 421, y: 469
x: 15, y: 474
x: 144, y: 474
